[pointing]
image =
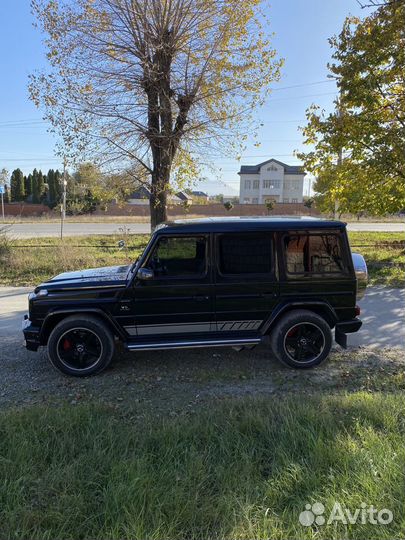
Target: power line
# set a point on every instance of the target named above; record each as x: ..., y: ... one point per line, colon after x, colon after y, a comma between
x: 303, y: 96
x: 302, y: 85
x: 46, y: 160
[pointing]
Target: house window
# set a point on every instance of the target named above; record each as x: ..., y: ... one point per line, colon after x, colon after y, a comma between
x: 255, y: 184
x: 255, y: 201
x: 245, y: 253
x: 294, y: 200
x: 246, y: 200
x: 290, y: 185
x: 286, y: 200
x: 272, y: 168
x: 247, y: 184
x: 271, y: 184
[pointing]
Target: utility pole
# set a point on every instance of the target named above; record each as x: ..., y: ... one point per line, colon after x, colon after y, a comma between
x: 63, y: 205
x: 2, y: 188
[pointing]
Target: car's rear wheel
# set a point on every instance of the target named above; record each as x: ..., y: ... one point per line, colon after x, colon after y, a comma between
x: 301, y: 339
x: 81, y: 346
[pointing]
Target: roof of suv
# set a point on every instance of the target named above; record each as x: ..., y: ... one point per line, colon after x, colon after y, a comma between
x: 227, y: 224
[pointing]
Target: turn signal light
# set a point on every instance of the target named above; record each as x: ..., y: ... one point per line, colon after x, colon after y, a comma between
x: 357, y: 311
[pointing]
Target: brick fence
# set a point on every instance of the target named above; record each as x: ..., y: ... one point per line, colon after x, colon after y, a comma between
x: 22, y: 209
x: 212, y: 210
x: 174, y: 211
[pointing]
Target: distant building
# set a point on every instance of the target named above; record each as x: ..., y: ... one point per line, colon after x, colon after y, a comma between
x: 273, y: 180
x: 200, y: 194
x: 183, y: 196
x: 142, y: 196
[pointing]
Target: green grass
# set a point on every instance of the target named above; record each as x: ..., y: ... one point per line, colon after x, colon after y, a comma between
x: 239, y: 470
x: 27, y: 262
x: 386, y: 264
x: 31, y: 261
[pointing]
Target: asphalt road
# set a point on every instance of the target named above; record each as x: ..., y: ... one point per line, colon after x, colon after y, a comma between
x: 35, y: 230
x: 383, y: 315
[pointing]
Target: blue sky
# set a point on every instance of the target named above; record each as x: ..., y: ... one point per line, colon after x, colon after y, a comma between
x: 301, y: 27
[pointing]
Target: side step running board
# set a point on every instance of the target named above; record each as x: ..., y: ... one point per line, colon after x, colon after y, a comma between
x: 192, y: 344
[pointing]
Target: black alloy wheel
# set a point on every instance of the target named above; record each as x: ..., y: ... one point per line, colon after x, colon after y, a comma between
x: 81, y: 345
x: 304, y: 342
x: 79, y: 348
x: 301, y: 339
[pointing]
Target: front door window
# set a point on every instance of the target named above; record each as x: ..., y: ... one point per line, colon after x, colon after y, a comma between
x: 179, y: 257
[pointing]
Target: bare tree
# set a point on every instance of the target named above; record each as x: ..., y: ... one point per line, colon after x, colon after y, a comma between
x: 154, y: 82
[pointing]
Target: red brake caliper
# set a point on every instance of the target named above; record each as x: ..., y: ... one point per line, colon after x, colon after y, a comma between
x: 66, y: 345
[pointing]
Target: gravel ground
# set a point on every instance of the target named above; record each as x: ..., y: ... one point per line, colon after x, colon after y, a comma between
x: 178, y: 381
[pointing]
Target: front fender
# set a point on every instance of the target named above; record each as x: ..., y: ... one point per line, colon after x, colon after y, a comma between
x: 56, y: 316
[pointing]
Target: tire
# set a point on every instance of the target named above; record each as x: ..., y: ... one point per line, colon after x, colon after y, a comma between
x: 301, y: 339
x: 80, y: 346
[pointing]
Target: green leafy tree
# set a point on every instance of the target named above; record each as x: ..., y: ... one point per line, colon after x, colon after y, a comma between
x: 41, y: 186
x: 54, y: 188
x: 36, y: 190
x: 270, y: 205
x: 187, y: 204
x: 154, y: 83
x: 228, y: 206
x: 17, y: 185
x: 368, y: 128
x: 28, y: 185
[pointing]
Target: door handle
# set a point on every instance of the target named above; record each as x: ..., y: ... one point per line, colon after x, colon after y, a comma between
x: 200, y: 298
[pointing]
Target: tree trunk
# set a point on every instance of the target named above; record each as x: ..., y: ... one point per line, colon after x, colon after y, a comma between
x: 158, y: 198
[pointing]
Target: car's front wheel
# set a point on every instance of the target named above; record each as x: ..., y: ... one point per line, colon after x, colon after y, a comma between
x: 301, y: 339
x: 80, y: 346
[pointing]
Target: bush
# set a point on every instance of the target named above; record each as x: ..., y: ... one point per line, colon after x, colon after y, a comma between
x: 5, y: 242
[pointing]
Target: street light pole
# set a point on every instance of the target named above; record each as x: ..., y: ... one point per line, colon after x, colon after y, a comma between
x: 63, y: 206
x: 2, y: 203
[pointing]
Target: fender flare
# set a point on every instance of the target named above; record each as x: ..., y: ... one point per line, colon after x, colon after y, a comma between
x: 74, y: 311
x: 283, y: 307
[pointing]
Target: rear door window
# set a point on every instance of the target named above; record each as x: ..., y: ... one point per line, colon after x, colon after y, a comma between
x: 250, y: 253
x: 313, y: 254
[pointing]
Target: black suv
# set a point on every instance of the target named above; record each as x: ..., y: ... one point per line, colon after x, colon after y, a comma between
x: 207, y: 283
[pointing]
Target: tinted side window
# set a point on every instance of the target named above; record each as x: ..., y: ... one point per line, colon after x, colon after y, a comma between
x: 245, y: 253
x: 313, y: 254
x: 179, y: 256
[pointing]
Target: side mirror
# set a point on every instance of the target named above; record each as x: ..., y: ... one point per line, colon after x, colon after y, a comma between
x: 145, y: 274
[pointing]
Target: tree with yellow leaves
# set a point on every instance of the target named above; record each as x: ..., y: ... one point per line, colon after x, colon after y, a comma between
x: 368, y: 128
x: 159, y: 83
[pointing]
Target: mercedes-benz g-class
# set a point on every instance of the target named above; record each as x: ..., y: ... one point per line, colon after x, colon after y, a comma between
x: 207, y: 283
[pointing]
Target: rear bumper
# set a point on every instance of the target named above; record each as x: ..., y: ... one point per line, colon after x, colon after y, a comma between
x: 346, y: 327
x: 31, y: 334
